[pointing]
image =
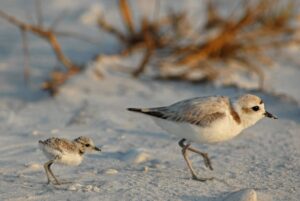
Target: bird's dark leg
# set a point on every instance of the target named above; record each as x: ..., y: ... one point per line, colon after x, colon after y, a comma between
x: 184, y: 150
x: 188, y: 162
x: 206, y: 159
x: 48, y: 170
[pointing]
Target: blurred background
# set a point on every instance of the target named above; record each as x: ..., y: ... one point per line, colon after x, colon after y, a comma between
x: 247, y: 44
x: 70, y: 68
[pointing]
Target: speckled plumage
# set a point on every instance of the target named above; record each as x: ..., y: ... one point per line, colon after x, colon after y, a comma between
x: 63, y: 151
x: 60, y: 144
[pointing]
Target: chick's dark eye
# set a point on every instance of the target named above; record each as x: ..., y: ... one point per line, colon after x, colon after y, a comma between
x: 87, y: 145
x: 255, y: 108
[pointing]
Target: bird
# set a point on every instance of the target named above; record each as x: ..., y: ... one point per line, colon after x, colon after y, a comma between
x: 207, y: 120
x: 66, y: 152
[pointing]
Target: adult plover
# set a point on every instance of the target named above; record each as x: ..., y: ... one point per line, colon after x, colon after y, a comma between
x: 207, y: 120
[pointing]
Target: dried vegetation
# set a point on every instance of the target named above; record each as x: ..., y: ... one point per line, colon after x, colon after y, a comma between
x: 178, y: 50
x: 50, y: 35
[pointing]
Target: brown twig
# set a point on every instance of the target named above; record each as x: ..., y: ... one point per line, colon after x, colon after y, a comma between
x: 57, y: 78
x: 144, y: 62
x: 250, y: 30
x: 110, y: 29
x: 226, y: 36
x: 43, y: 33
x: 126, y: 15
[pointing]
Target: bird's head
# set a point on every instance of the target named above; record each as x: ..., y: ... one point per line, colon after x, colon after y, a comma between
x: 251, y: 109
x: 86, y: 144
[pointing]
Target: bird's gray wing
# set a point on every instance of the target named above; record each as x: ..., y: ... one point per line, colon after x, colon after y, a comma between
x: 198, y: 111
x: 60, y: 144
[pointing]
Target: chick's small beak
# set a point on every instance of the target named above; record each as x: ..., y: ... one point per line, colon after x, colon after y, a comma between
x: 97, y: 149
x: 268, y: 114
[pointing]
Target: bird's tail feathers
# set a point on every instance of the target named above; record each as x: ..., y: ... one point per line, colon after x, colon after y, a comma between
x: 141, y: 110
x: 156, y: 112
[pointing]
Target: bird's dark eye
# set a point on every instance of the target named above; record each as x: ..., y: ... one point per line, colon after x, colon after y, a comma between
x: 87, y: 145
x: 255, y: 108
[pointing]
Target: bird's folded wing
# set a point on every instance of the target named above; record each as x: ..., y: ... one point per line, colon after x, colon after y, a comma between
x: 199, y: 111
x: 62, y: 145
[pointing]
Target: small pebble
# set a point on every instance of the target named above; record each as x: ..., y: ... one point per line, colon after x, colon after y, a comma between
x: 136, y: 156
x: 111, y: 171
x: 88, y: 188
x: 35, y: 133
x: 75, y: 187
x: 54, y: 131
x: 141, y: 157
x: 146, y: 169
x: 72, y: 188
x: 34, y: 166
x: 96, y: 189
x: 242, y: 195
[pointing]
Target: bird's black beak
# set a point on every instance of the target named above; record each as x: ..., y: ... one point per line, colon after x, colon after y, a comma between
x: 97, y: 149
x: 268, y: 114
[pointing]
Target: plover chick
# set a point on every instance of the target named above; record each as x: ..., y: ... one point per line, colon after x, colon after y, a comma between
x: 207, y: 120
x: 63, y: 151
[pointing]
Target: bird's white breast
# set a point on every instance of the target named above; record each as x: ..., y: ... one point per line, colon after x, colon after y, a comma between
x: 70, y: 159
x: 66, y: 158
x: 221, y: 130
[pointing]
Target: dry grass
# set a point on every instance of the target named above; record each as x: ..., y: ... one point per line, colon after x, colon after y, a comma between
x: 245, y: 38
x: 152, y: 36
x: 178, y: 50
x: 57, y: 77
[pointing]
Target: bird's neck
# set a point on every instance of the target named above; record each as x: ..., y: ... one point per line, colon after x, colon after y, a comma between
x: 244, y: 120
x: 81, y: 152
x: 81, y: 148
x: 235, y: 115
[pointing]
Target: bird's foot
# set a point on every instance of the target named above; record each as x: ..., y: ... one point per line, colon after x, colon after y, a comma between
x: 207, y: 161
x: 53, y: 182
x: 56, y: 183
x: 194, y: 177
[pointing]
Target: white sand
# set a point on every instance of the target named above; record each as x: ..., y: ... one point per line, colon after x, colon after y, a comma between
x: 139, y: 161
